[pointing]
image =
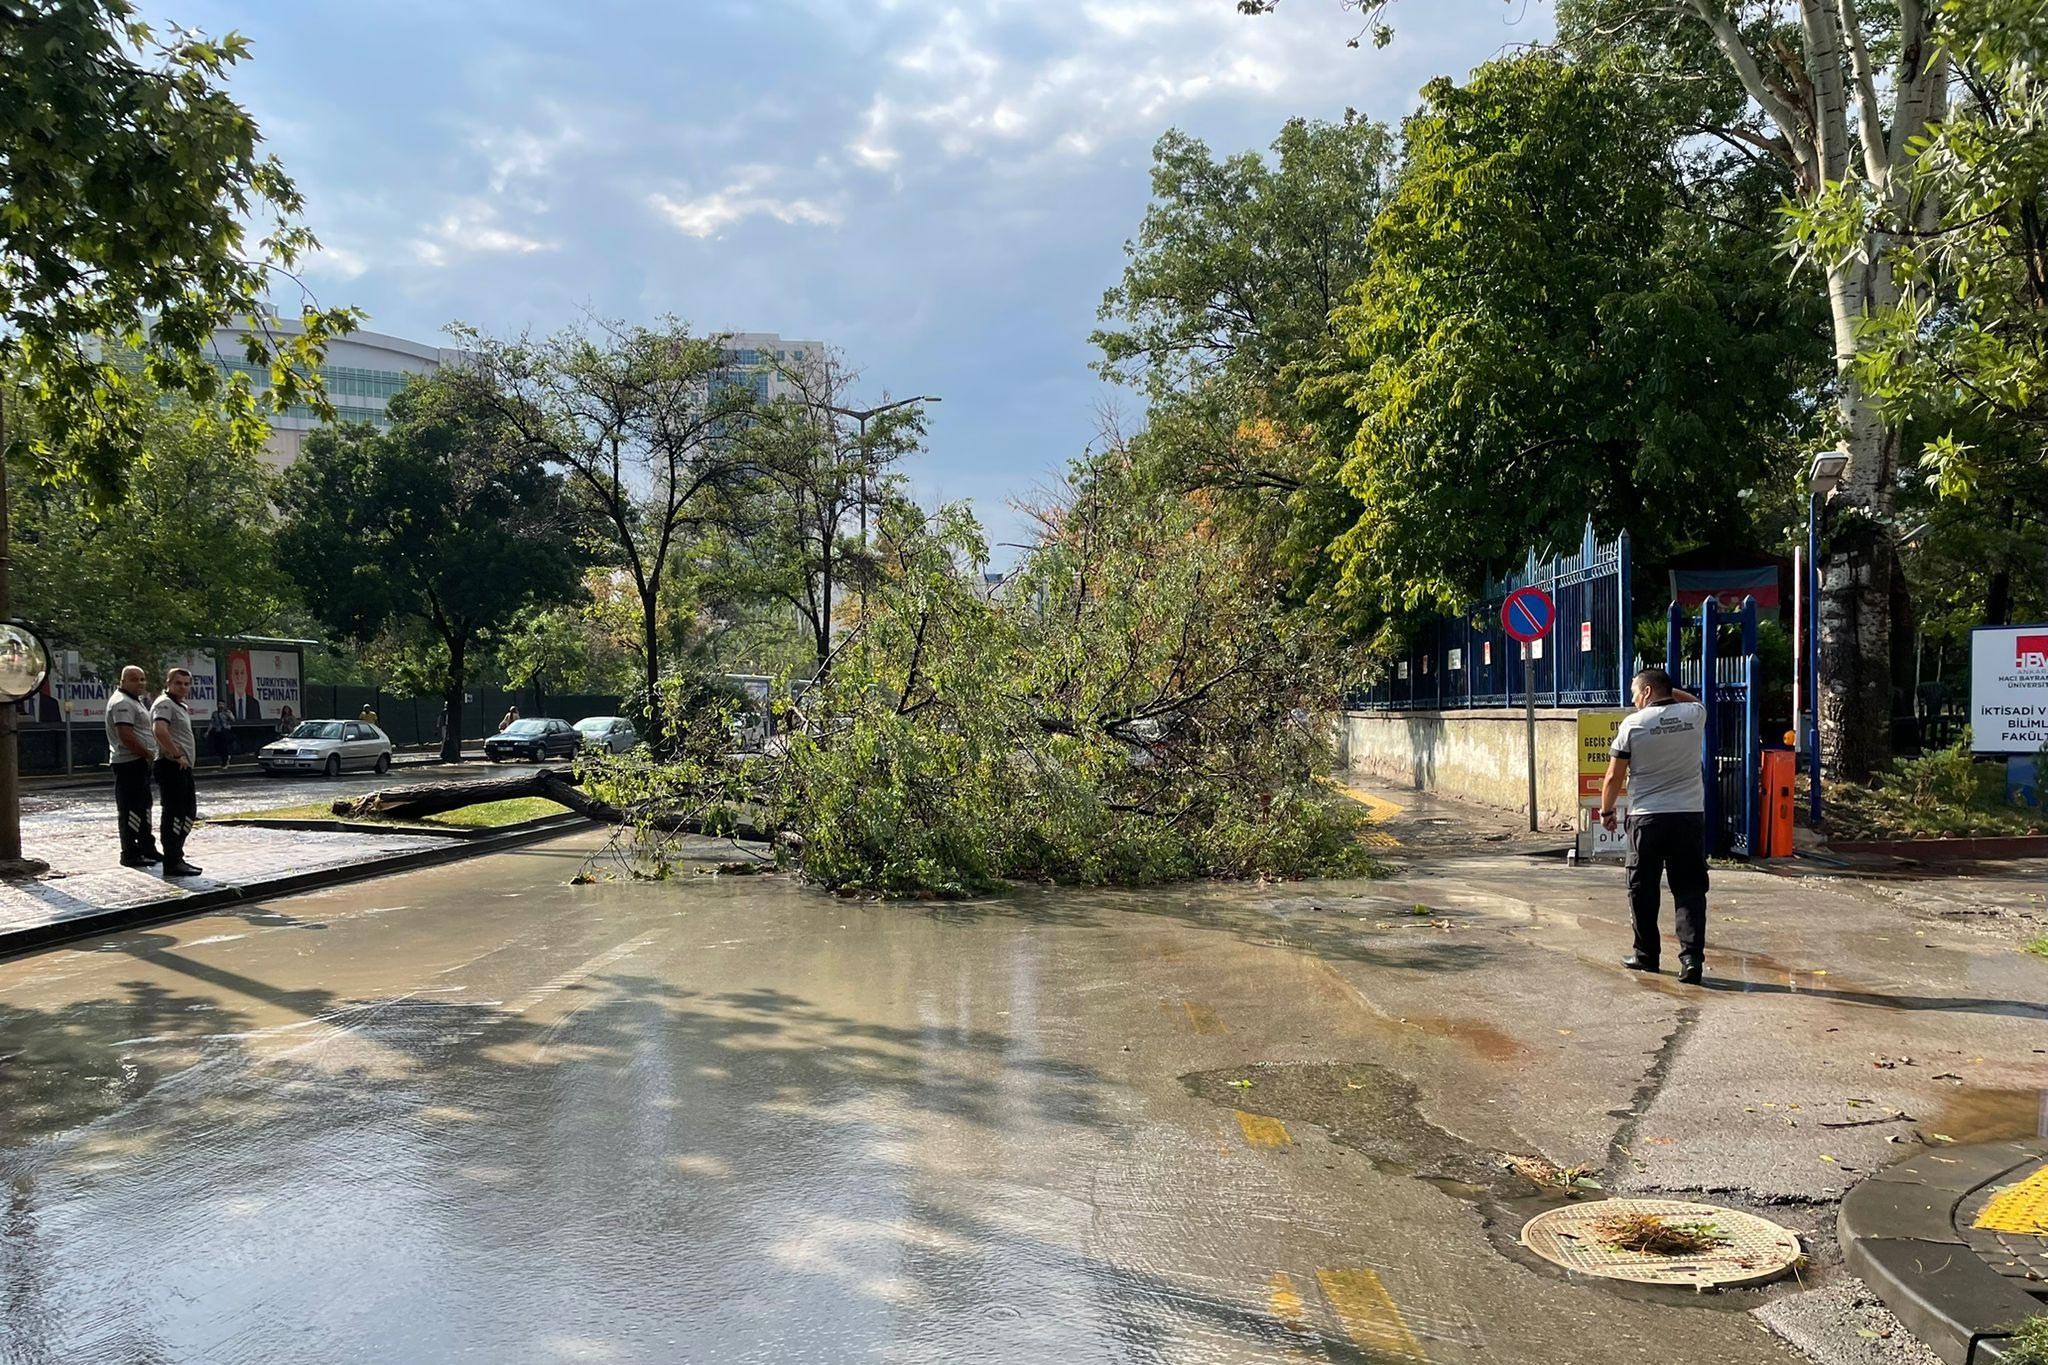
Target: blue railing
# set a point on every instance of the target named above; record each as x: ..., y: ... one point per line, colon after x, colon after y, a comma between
x: 1466, y: 659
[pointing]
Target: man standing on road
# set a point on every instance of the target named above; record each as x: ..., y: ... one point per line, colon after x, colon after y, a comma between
x: 131, y: 748
x: 1657, y: 757
x: 175, y: 754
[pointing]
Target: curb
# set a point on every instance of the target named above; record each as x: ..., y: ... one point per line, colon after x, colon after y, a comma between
x: 37, y: 937
x: 1898, y: 1232
x: 85, y: 778
x: 1950, y: 850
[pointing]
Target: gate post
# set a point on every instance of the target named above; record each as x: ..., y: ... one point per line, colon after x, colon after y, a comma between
x: 1625, y: 634
x: 1751, y: 724
x: 1710, y: 694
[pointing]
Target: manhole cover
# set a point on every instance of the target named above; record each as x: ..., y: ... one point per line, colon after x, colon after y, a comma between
x: 1746, y: 1250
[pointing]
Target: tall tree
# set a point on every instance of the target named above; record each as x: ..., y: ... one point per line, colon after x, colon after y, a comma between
x: 127, y: 178
x: 445, y: 524
x: 186, y: 554
x: 1224, y: 310
x: 647, y: 436
x: 1819, y: 102
x: 1543, y: 336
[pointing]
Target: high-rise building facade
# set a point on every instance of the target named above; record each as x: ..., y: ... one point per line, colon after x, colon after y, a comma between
x: 760, y: 360
x: 363, y: 371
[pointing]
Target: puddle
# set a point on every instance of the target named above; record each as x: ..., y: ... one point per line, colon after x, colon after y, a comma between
x: 1977, y: 1115
x: 1373, y: 1110
x: 1483, y: 1038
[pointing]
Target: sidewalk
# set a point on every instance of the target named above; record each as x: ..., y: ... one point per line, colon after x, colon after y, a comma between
x: 89, y: 891
x: 1956, y: 1241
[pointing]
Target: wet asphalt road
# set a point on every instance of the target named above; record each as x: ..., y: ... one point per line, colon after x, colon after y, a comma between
x: 476, y: 1113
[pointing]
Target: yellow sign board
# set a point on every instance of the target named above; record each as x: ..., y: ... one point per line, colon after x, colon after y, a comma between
x: 1596, y: 738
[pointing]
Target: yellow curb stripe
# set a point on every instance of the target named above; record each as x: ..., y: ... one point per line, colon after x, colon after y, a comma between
x: 1369, y: 1315
x: 1261, y: 1131
x: 2020, y: 1208
x: 1377, y: 806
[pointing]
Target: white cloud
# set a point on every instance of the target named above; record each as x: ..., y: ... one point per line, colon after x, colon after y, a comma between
x: 336, y: 263
x: 472, y: 229
x: 707, y: 215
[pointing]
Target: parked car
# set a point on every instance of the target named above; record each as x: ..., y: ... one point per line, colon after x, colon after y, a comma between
x: 535, y: 738
x: 329, y: 747
x: 611, y: 734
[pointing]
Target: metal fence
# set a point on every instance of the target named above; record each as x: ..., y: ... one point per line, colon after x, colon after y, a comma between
x: 1466, y: 659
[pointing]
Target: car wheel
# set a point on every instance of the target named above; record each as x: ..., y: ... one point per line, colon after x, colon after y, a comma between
x: 383, y: 764
x: 490, y: 757
x: 537, y: 754
x: 333, y: 768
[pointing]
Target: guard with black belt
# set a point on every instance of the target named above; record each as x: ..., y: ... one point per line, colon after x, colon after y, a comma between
x: 1656, y: 757
x: 131, y: 750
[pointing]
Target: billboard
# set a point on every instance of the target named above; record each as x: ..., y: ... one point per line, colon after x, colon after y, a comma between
x: 260, y: 683
x: 205, y: 681
x: 1690, y: 587
x: 2009, y: 689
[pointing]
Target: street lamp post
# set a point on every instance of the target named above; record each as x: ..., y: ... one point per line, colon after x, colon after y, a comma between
x: 1821, y: 481
x: 862, y: 415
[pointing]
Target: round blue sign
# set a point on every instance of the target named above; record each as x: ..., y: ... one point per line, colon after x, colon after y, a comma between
x: 1528, y: 614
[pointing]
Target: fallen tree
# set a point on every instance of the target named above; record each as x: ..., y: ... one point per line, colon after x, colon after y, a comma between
x: 422, y: 799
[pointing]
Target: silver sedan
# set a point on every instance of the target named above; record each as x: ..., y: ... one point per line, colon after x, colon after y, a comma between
x: 328, y: 747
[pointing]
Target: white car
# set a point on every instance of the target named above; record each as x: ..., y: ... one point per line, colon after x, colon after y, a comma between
x: 611, y: 734
x: 329, y: 747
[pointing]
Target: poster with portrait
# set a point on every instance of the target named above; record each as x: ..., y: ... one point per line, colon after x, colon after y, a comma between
x: 260, y: 684
x: 205, y: 691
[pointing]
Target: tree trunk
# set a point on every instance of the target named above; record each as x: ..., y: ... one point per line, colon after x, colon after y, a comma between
x: 431, y: 798
x: 1857, y: 560
x: 451, y: 701
x: 657, y: 728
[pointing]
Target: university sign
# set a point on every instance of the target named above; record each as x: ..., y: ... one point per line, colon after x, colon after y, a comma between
x: 2009, y: 689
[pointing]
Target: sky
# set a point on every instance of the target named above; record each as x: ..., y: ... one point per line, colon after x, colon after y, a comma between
x: 940, y: 188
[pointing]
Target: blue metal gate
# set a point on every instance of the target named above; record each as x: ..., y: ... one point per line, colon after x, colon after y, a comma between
x: 1723, y: 673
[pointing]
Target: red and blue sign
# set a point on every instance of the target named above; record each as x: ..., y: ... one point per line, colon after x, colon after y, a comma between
x: 1528, y: 614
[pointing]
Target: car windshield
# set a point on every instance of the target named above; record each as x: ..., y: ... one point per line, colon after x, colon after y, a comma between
x: 526, y: 727
x: 318, y: 729
x: 595, y: 723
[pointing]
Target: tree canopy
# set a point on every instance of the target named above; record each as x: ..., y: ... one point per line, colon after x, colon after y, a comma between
x: 445, y: 524
x: 129, y: 180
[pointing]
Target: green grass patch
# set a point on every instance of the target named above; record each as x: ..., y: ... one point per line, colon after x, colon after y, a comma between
x: 492, y: 814
x: 487, y: 815
x: 2039, y: 947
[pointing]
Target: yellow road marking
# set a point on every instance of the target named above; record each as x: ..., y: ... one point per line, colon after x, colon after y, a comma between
x: 1369, y: 1316
x: 1378, y: 806
x: 1286, y: 1303
x: 2020, y: 1208
x: 1261, y: 1131
x: 1203, y: 1018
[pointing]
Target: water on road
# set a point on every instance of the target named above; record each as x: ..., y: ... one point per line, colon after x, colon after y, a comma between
x: 476, y: 1113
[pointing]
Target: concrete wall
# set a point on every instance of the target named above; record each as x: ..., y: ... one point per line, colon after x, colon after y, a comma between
x: 1475, y: 755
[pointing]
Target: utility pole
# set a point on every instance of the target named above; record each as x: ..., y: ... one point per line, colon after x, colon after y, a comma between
x: 12, y: 864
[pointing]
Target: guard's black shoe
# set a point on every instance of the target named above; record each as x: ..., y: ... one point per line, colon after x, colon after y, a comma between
x: 135, y: 860
x: 1637, y: 964
x: 182, y: 869
x: 150, y: 857
x: 1689, y: 973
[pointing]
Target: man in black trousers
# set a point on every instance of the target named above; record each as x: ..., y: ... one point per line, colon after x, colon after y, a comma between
x: 131, y: 749
x: 1657, y: 758
x: 175, y: 755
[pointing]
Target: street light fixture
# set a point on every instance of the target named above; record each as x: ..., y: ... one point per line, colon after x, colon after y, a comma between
x: 1822, y: 479
x: 862, y: 415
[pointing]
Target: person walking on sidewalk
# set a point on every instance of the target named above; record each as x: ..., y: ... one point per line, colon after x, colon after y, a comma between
x: 1656, y: 757
x: 220, y: 736
x: 175, y: 754
x: 131, y: 748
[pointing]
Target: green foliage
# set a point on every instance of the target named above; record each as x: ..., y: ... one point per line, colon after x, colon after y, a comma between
x: 1541, y: 336
x: 187, y: 554
x: 1222, y: 313
x: 434, y: 535
x: 128, y: 182
x: 2039, y: 948
x: 1130, y: 709
x: 1943, y: 793
x: 2028, y: 1344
